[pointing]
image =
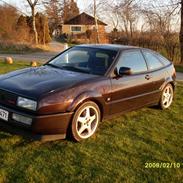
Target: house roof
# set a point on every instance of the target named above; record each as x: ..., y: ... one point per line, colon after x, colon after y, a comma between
x: 83, y: 19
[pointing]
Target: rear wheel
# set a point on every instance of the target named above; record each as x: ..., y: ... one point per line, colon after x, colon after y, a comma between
x: 85, y: 121
x: 166, y: 97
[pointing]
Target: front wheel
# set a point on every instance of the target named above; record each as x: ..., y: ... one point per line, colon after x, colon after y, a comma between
x: 85, y: 121
x: 166, y: 97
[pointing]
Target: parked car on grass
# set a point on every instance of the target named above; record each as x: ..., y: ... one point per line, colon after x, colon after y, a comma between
x: 73, y: 92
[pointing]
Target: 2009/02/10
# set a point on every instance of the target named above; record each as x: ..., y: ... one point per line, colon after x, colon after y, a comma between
x: 162, y: 165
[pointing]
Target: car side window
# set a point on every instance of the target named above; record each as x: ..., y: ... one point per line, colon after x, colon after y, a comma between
x: 152, y: 61
x: 134, y: 60
x: 163, y: 60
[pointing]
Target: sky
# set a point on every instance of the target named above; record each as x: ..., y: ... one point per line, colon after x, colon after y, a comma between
x: 22, y: 4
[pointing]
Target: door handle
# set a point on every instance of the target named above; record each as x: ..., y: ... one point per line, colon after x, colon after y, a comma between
x: 148, y: 77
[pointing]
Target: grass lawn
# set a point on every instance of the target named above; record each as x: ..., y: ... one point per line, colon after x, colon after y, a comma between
x: 4, y: 68
x: 117, y: 153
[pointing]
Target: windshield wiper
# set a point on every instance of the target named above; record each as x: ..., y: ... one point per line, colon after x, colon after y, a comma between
x: 72, y: 68
x: 52, y: 65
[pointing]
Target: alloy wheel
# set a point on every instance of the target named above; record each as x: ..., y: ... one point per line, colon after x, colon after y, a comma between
x: 167, y: 96
x: 87, y: 122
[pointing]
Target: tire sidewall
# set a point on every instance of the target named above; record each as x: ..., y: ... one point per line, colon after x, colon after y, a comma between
x: 161, y: 100
x: 75, y: 135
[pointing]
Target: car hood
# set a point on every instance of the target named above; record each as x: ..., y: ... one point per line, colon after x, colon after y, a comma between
x: 35, y: 82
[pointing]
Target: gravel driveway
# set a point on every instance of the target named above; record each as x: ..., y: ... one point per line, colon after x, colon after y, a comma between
x: 179, y: 76
x: 55, y: 49
x: 42, y: 56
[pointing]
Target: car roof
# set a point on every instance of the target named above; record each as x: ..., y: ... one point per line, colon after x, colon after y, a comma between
x: 115, y: 47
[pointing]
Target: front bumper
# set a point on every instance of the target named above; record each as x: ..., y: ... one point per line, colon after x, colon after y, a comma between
x: 44, y: 127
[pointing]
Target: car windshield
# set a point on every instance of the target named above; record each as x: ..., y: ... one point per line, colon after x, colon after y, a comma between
x: 86, y: 60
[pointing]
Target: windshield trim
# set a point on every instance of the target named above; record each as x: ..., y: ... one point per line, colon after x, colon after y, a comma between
x: 80, y: 47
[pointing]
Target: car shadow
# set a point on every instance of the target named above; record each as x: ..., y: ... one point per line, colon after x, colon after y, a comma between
x: 4, y: 134
x: 9, y: 131
x: 155, y: 107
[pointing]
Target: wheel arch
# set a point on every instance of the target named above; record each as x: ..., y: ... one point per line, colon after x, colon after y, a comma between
x: 173, y: 84
x: 85, y: 97
x: 168, y: 81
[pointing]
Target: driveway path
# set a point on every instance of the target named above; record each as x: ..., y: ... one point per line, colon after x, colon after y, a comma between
x: 54, y: 47
x: 179, y: 76
x: 39, y: 56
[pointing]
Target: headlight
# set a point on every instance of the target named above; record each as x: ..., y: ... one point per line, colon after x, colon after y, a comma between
x: 27, y: 103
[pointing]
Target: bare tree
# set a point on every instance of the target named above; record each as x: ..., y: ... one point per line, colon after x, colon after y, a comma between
x: 114, y: 16
x: 96, y: 21
x: 110, y: 14
x: 157, y: 20
x: 55, y: 11
x: 127, y: 11
x: 97, y: 8
x: 32, y: 5
x: 181, y: 32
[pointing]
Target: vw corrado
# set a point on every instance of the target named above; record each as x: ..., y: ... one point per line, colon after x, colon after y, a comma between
x: 74, y: 91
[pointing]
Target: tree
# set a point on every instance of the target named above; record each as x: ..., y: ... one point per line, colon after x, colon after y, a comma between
x: 114, y: 17
x: 70, y: 10
x: 181, y: 32
x: 32, y: 5
x: 97, y: 8
x: 127, y: 11
x: 42, y: 28
x: 74, y: 9
x: 54, y: 11
x: 96, y: 21
x: 8, y: 19
x: 23, y: 30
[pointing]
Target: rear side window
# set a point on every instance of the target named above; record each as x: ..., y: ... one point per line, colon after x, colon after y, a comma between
x: 152, y: 61
x: 163, y: 60
x: 133, y: 60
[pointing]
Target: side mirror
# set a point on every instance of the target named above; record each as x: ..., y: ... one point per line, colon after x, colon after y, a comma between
x: 124, y: 71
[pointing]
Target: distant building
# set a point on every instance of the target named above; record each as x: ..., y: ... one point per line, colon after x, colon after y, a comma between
x: 82, y: 28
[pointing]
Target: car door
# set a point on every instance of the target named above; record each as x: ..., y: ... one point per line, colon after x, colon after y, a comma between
x: 130, y: 91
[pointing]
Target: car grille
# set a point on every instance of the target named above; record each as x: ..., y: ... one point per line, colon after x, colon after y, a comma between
x: 7, y: 98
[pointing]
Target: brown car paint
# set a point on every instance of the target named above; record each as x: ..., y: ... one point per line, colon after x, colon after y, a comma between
x: 59, y: 93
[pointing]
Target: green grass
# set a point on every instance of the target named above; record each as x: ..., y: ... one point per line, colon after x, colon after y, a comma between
x: 117, y: 153
x: 179, y: 68
x: 4, y: 68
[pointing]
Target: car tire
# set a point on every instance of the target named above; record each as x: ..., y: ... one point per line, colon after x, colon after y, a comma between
x: 85, y: 121
x: 166, y: 98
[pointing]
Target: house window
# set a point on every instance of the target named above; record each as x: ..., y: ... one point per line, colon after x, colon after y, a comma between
x: 76, y: 28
